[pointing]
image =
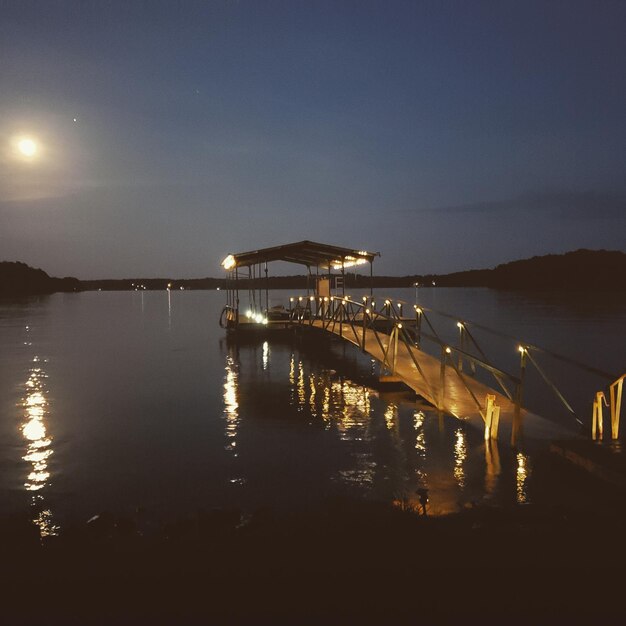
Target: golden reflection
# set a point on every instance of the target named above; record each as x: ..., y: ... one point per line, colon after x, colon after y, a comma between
x: 301, y: 387
x: 312, y: 396
x: 460, y: 454
x: 493, y: 469
x: 266, y: 355
x: 39, y: 446
x: 292, y: 369
x: 391, y: 416
x: 341, y: 404
x: 45, y: 522
x: 231, y: 404
x: 420, y: 443
x: 352, y: 409
x: 521, y: 478
x: 326, y: 404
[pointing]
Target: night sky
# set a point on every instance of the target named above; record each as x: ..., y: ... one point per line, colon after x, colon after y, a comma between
x: 446, y: 135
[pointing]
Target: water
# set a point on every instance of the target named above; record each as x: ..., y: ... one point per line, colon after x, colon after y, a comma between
x: 131, y: 401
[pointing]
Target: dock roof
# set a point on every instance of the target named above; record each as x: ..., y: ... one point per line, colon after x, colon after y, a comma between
x: 307, y: 253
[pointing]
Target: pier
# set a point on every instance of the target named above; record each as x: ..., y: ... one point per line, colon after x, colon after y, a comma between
x: 456, y: 378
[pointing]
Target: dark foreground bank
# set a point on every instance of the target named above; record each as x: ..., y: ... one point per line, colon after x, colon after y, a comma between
x: 554, y: 561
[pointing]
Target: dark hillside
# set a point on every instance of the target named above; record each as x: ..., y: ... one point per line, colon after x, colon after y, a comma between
x: 19, y: 278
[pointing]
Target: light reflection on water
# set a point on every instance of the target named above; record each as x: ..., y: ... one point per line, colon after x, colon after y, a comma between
x: 39, y: 446
x: 521, y: 478
x: 460, y: 455
x: 231, y: 405
x: 492, y: 466
x: 190, y: 410
x: 390, y: 448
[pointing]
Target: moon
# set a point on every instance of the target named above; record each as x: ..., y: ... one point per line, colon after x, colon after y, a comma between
x: 27, y: 147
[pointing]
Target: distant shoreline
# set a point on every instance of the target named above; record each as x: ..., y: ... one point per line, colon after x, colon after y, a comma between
x: 581, y: 270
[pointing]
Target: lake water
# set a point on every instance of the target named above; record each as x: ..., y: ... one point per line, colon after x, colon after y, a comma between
x: 131, y: 401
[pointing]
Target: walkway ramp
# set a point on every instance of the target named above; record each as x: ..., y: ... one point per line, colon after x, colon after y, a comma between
x: 461, y: 394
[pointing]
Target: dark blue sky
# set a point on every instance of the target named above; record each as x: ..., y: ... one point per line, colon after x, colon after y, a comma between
x: 446, y: 135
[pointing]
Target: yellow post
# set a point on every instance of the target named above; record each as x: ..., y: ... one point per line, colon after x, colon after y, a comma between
x: 616, y: 405
x: 488, y: 414
x: 492, y: 417
x: 495, y: 421
x: 597, y: 424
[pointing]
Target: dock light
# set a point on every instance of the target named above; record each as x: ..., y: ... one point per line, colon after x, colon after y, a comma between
x: 364, y: 298
x: 373, y: 304
x: 332, y: 298
x: 169, y: 285
x: 312, y: 298
x: 367, y: 311
x: 521, y: 349
x: 399, y: 325
x: 448, y: 350
x: 229, y: 262
x: 325, y: 298
x: 290, y: 299
x: 345, y: 300
x: 300, y: 299
x: 265, y: 320
x: 248, y: 313
x: 387, y: 302
x: 460, y: 325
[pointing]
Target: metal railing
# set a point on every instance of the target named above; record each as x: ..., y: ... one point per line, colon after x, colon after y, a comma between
x: 390, y: 328
x: 390, y: 325
x: 615, y: 404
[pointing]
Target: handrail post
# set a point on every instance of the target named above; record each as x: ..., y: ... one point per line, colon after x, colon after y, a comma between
x: 341, y: 311
x: 394, y: 338
x: 442, y: 376
x: 365, y: 314
x: 615, y: 393
x: 418, y: 327
x: 519, y: 392
x: 597, y: 423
